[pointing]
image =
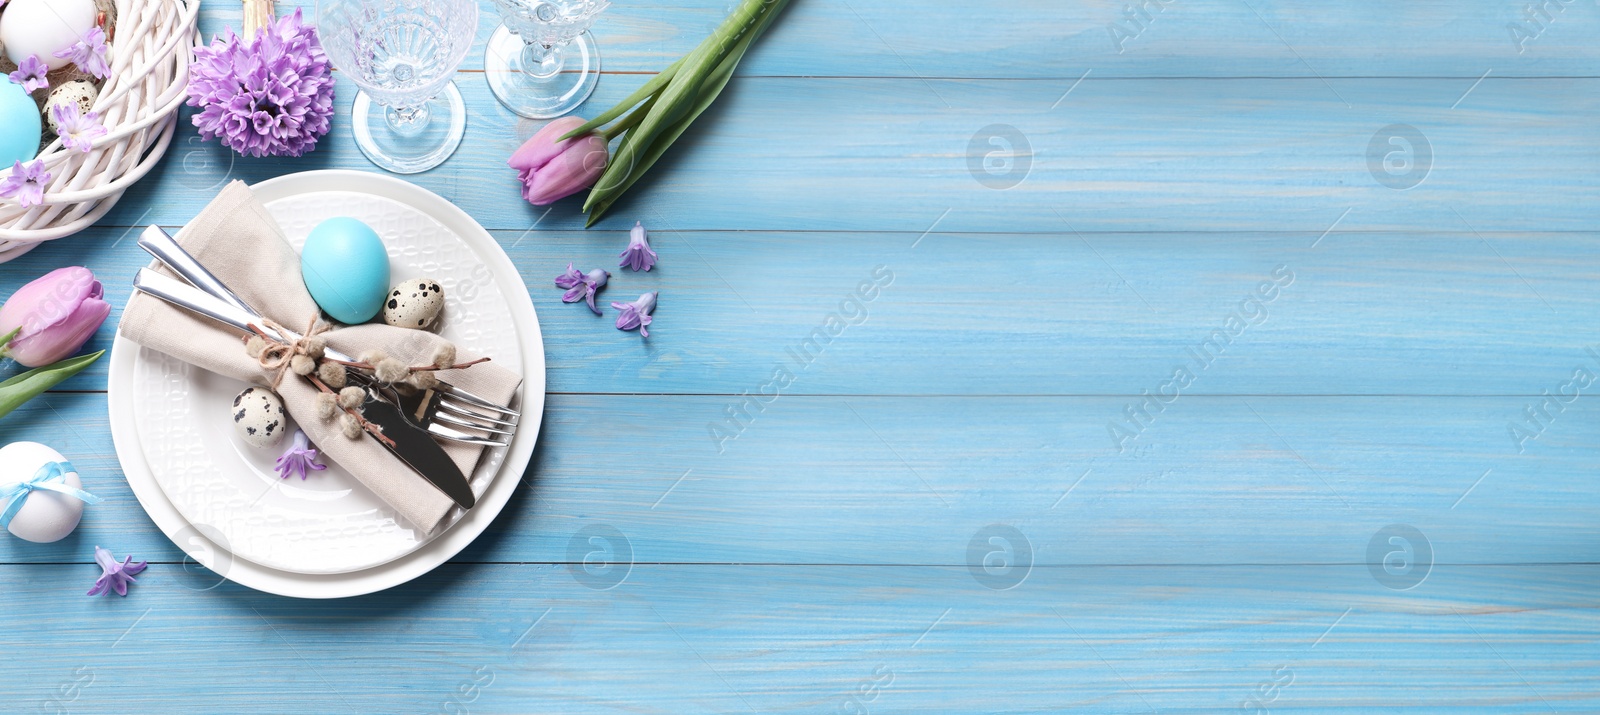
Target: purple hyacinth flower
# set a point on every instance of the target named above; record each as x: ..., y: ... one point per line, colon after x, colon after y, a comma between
x: 31, y: 74
x: 582, y: 286
x: 26, y: 183
x: 77, y: 131
x: 114, y: 576
x: 266, y: 95
x: 89, y: 53
x: 636, y: 315
x: 572, y: 280
x: 595, y: 280
x: 299, y: 458
x: 569, y: 278
x: 638, y: 255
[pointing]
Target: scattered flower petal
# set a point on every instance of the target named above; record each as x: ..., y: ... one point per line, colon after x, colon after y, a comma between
x: 26, y: 183
x: 77, y: 131
x: 636, y: 315
x: 299, y: 458
x: 114, y: 576
x: 582, y: 286
x: 638, y: 256
x: 89, y: 53
x: 569, y: 277
x: 30, y: 73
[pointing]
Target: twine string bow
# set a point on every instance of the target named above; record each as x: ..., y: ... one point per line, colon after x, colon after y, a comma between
x: 277, y: 356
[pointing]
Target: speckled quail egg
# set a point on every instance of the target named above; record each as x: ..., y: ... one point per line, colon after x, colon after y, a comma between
x: 258, y: 417
x: 79, y: 92
x: 415, y: 303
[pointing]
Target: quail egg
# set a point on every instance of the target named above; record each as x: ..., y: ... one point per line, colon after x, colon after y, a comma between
x: 415, y: 303
x: 79, y: 92
x: 258, y: 417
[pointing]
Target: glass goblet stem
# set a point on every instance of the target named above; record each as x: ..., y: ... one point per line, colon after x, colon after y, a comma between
x: 542, y: 61
x: 407, y: 121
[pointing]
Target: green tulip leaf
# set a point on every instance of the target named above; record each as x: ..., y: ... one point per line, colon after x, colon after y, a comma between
x: 649, y: 89
x: 682, y: 92
x: 28, y: 385
x: 710, y: 89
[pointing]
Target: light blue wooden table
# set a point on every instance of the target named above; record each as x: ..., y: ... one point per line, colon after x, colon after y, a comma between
x: 965, y: 502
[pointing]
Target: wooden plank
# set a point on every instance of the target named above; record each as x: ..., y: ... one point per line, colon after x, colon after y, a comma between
x: 898, y: 480
x: 1436, y: 313
x: 907, y: 155
x: 1042, y: 39
x: 675, y: 639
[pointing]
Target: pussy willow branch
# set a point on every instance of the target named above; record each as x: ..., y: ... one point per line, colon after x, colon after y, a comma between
x: 417, y: 368
x: 371, y: 429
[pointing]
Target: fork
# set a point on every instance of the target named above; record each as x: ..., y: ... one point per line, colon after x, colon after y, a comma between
x: 440, y: 410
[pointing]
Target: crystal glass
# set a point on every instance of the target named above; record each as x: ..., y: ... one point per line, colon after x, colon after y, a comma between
x: 402, y: 54
x: 542, y: 62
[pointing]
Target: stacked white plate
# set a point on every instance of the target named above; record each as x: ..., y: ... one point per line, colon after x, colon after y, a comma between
x: 328, y: 536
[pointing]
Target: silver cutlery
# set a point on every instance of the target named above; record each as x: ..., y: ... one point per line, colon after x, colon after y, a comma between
x: 195, y: 300
x: 406, y: 440
x: 440, y: 411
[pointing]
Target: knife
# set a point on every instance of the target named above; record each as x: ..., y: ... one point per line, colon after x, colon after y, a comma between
x: 414, y: 446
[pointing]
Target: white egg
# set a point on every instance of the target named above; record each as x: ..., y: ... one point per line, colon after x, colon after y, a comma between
x: 44, y: 27
x: 79, y: 92
x: 258, y: 417
x: 45, y: 516
x: 415, y: 303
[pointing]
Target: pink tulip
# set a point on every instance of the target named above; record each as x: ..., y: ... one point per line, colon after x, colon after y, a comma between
x: 551, y: 169
x: 57, y: 314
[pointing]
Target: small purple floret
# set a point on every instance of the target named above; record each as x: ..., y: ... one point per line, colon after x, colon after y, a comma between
x: 636, y: 315
x: 638, y: 255
x: 582, y: 286
x: 89, y: 53
x: 299, y: 458
x: 26, y: 183
x: 114, y: 576
x: 31, y: 73
x: 77, y: 131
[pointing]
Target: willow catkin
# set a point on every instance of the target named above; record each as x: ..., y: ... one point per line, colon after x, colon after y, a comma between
x: 351, y: 397
x: 332, y: 374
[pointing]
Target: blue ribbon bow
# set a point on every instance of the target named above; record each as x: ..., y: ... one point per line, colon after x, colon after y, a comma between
x: 51, y: 477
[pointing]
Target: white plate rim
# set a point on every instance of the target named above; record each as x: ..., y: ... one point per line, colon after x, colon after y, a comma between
x: 437, y: 551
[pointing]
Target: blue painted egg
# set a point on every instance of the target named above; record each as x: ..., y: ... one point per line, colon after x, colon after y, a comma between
x: 345, y: 269
x: 19, y: 141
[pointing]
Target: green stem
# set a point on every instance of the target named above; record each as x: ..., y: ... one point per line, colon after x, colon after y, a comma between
x: 28, y: 385
x: 608, y: 190
x: 630, y: 121
x: 650, y: 88
x: 680, y: 93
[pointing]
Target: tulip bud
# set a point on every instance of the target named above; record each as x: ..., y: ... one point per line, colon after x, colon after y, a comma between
x: 53, y: 316
x: 551, y: 169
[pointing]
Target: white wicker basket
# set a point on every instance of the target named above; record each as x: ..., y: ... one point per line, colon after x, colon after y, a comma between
x: 138, y: 104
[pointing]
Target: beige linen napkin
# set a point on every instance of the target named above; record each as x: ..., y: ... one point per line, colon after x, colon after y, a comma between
x: 238, y: 241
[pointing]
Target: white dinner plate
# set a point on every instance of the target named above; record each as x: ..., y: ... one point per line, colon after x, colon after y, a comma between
x: 327, y: 536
